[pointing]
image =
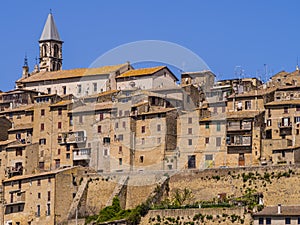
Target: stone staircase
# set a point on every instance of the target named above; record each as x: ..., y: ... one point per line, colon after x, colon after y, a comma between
x: 118, y: 189
x: 79, y: 195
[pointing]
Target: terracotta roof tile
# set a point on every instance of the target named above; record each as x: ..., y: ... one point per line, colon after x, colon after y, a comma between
x: 141, y: 72
x: 63, y: 74
x: 285, y: 211
x: 284, y: 102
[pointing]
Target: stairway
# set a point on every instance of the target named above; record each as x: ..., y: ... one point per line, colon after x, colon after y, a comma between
x: 78, y: 197
x: 118, y: 189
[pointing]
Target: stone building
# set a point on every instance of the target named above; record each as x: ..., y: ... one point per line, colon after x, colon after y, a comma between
x: 43, y: 198
x: 278, y: 215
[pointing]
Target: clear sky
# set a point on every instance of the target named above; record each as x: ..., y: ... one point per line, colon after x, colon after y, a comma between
x: 224, y: 33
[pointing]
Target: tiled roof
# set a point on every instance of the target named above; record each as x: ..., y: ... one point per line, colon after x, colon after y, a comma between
x: 107, y: 93
x: 285, y: 211
x: 232, y: 115
x: 284, y: 102
x: 92, y: 107
x: 6, y: 142
x: 141, y: 72
x: 25, y: 126
x: 27, y: 176
x: 62, y: 103
x: 17, y: 109
x: 64, y: 74
x: 244, y: 114
x: 259, y: 92
x: 162, y: 110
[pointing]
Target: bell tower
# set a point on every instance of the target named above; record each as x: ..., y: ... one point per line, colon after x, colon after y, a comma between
x: 50, y: 47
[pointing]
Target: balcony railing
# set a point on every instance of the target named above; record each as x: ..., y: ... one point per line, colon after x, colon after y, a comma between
x: 81, y: 154
x: 72, y: 137
x: 285, y: 125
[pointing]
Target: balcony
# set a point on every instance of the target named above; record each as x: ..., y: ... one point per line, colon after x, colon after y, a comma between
x: 236, y: 149
x: 81, y: 154
x: 18, y: 198
x: 72, y: 137
x: 239, y: 127
x: 285, y: 128
x: 285, y: 125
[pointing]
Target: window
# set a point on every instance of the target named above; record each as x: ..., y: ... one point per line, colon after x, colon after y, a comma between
x: 260, y: 221
x: 218, y: 126
x: 190, y: 120
x: 95, y: 87
x: 143, y: 129
x: 158, y: 127
x: 124, y: 124
x: 42, y: 112
x: 269, y: 123
x: 105, y: 152
x: 99, y: 129
x: 80, y: 119
x: 120, y: 161
x: 49, y: 195
x: 207, y: 125
x: 190, y: 141
x: 49, y: 91
x: 141, y: 159
x: 248, y: 105
x: 39, y: 195
x: 209, y: 157
x: 143, y: 141
x: 71, y: 120
x: 38, y: 182
x: 38, y: 210
x: 106, y: 140
x: 68, y: 147
x: 101, y: 116
x: 298, y: 220
x: 158, y: 140
x: 59, y: 125
x: 59, y: 111
x: 120, y: 137
x: 48, y: 209
x: 190, y: 130
x: 41, y: 165
x: 57, y: 163
x: 191, y: 161
x: 268, y: 221
x: 68, y: 155
x: 42, y: 127
x: 58, y: 151
x: 19, y: 152
x: 215, y: 110
x: 116, y: 125
x: 207, y: 140
x: 288, y: 220
x: 120, y: 150
x: 49, y: 179
x: 218, y: 141
x: 42, y: 141
x: 79, y: 89
x: 64, y: 90
x: 285, y: 110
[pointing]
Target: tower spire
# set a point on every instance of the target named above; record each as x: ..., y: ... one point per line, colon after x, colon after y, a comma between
x: 50, y: 46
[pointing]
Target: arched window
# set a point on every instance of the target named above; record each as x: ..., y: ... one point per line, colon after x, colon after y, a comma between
x: 56, y: 51
x: 44, y: 50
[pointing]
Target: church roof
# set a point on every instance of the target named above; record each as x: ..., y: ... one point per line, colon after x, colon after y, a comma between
x: 64, y: 74
x: 50, y: 31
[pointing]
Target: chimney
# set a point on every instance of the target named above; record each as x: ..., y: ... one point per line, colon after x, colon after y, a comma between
x: 279, y: 209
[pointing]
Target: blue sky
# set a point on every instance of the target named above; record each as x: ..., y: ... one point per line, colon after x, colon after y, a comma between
x: 225, y: 34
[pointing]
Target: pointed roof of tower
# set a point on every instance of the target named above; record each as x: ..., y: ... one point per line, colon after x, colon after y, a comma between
x: 50, y: 31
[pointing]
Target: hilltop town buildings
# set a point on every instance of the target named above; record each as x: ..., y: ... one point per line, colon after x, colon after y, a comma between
x: 118, y: 119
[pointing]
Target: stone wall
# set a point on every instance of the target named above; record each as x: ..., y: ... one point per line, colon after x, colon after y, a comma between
x: 223, y: 216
